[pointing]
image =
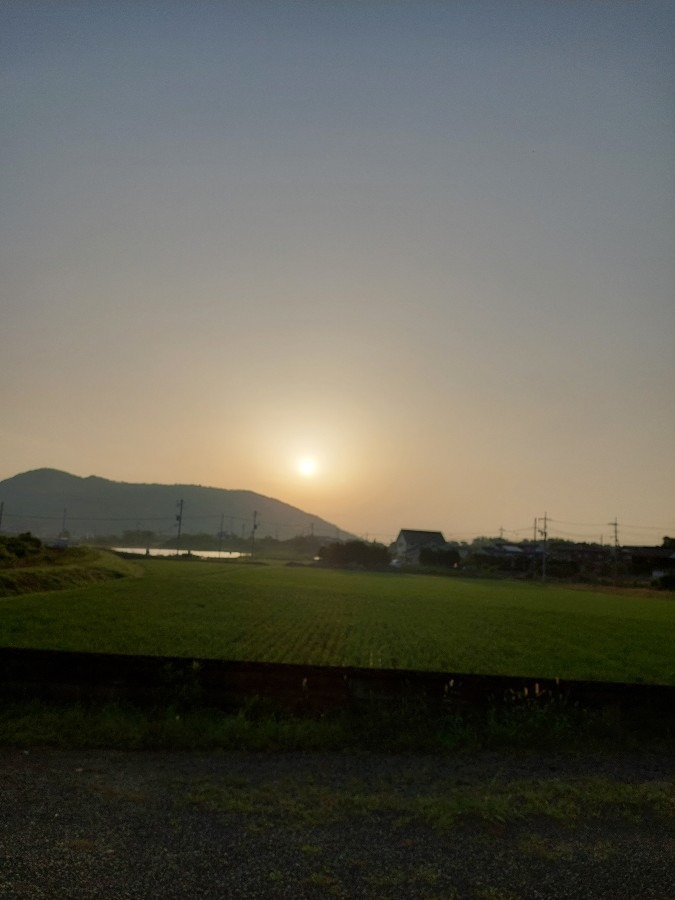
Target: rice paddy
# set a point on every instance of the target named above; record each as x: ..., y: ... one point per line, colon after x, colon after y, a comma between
x: 276, y: 613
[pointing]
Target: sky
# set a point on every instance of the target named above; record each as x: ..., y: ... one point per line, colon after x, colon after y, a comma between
x: 426, y: 245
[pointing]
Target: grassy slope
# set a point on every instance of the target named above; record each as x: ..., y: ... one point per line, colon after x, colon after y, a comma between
x: 342, y: 618
x: 60, y: 569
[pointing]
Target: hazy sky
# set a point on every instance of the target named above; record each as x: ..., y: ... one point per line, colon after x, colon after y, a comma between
x: 427, y: 244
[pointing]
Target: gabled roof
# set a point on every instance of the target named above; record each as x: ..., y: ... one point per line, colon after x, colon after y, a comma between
x: 420, y: 537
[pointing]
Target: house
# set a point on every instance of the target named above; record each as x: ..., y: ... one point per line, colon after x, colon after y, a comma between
x: 500, y: 556
x: 410, y: 543
x: 658, y: 561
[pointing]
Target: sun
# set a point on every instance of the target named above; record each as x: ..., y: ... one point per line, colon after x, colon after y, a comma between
x: 307, y: 466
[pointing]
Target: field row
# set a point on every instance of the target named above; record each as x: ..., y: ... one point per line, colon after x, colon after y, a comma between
x: 390, y: 620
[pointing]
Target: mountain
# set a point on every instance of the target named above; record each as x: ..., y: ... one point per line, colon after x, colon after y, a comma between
x: 48, y: 501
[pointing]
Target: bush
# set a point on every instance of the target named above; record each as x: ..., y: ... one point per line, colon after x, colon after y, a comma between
x: 18, y: 547
x: 666, y: 582
x: 430, y: 556
x: 355, y: 553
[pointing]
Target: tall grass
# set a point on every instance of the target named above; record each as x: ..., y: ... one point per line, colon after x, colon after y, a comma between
x: 257, y: 726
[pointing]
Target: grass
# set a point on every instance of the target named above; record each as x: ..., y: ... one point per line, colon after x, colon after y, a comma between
x: 539, y: 820
x: 317, y: 616
x: 58, y: 570
x: 442, y: 804
x: 531, y: 726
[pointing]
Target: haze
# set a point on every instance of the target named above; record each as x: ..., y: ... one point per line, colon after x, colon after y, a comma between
x: 426, y: 246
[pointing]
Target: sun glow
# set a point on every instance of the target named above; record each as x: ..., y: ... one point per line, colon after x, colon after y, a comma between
x: 307, y: 466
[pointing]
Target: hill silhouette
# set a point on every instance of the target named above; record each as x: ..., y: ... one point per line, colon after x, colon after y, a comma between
x: 47, y: 501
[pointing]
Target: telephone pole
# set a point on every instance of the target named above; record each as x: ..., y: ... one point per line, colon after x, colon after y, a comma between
x: 253, y: 530
x: 222, y: 525
x: 544, y: 533
x: 179, y: 519
x: 615, y: 555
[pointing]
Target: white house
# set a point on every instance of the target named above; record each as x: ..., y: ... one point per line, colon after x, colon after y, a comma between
x: 410, y: 543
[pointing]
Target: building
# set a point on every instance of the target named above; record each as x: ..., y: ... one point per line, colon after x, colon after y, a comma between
x: 410, y: 543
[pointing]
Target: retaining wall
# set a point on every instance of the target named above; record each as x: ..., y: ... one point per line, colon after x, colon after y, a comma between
x: 61, y: 676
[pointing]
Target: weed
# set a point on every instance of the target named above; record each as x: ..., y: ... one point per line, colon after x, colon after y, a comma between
x: 493, y: 893
x: 602, y: 850
x: 85, y: 845
x: 328, y: 882
x: 391, y: 878
x: 427, y: 874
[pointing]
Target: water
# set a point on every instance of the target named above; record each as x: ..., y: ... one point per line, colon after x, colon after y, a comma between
x: 203, y: 554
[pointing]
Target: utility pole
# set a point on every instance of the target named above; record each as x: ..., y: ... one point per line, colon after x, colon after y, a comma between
x: 222, y: 525
x: 253, y: 530
x: 544, y: 533
x: 615, y: 562
x: 615, y: 526
x: 179, y: 519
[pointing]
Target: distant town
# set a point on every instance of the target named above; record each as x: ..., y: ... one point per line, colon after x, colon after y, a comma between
x: 63, y: 509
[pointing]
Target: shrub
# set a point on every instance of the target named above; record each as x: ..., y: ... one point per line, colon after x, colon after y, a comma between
x: 359, y: 553
x: 19, y: 546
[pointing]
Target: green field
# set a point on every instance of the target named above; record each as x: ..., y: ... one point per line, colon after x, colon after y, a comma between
x: 303, y: 615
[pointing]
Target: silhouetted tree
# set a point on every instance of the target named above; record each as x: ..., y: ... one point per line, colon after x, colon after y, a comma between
x: 359, y: 553
x: 430, y: 556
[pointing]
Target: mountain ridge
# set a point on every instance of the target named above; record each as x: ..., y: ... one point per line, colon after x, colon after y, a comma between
x: 47, y: 501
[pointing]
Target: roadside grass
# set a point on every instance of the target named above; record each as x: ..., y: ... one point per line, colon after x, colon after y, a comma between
x: 441, y: 804
x: 117, y: 727
x: 543, y: 819
x: 403, y: 728
x: 554, y: 849
x: 327, y: 617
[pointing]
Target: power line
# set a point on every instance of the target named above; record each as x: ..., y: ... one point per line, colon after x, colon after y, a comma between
x: 580, y: 524
x: 652, y: 527
x: 577, y: 534
x: 384, y: 537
